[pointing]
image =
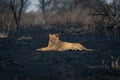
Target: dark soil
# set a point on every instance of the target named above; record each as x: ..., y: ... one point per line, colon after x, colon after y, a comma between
x: 19, y: 59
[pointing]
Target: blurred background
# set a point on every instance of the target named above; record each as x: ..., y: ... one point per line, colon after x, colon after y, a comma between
x: 71, y: 15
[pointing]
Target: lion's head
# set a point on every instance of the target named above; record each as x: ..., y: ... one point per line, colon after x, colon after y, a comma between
x: 53, y: 38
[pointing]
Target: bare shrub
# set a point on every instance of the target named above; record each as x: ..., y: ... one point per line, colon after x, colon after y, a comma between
x: 106, y: 15
x: 74, y: 16
x: 6, y: 21
x: 28, y: 19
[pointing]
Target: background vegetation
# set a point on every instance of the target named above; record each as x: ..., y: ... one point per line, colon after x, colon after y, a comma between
x: 91, y: 16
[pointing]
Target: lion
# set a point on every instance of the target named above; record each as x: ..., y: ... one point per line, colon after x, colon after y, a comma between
x: 56, y: 44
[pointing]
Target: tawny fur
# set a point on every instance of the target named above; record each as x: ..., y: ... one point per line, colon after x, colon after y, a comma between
x: 57, y: 45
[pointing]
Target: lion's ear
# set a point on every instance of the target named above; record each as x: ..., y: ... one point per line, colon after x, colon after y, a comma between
x: 50, y: 34
x: 57, y: 35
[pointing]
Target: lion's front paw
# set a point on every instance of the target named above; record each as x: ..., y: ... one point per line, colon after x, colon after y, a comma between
x: 39, y: 49
x: 44, y: 49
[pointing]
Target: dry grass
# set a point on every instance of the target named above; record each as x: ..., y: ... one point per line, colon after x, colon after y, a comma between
x: 74, y: 16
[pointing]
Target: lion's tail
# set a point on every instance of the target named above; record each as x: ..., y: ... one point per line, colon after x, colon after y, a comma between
x: 87, y: 49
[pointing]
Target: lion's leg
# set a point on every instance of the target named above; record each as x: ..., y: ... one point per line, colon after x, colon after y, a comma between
x: 79, y: 47
x: 85, y: 49
x: 44, y: 49
x: 76, y: 47
x: 60, y: 49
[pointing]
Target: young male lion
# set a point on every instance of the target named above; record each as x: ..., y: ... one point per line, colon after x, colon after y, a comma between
x: 58, y: 45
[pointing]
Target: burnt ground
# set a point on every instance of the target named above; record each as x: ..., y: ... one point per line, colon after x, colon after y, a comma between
x: 19, y: 59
